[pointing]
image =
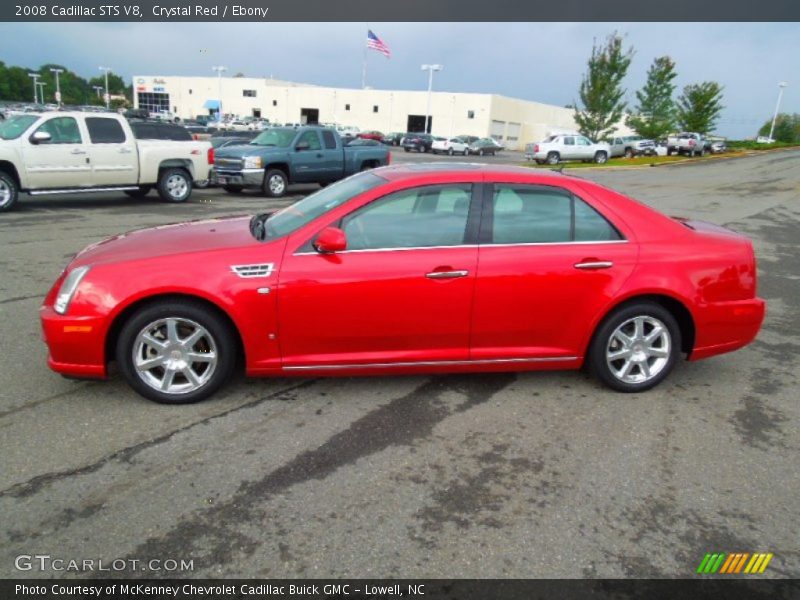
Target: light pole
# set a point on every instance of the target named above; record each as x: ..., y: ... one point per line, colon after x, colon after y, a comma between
x: 106, y: 97
x: 220, y: 70
x: 98, y: 89
x: 58, y: 87
x: 430, y: 69
x: 41, y: 85
x: 781, y: 87
x: 35, y: 77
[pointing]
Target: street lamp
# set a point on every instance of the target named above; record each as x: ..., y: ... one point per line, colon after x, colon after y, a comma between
x: 430, y: 69
x: 35, y: 77
x: 41, y: 85
x: 106, y: 97
x: 220, y: 70
x: 98, y: 89
x: 781, y: 87
x: 58, y: 87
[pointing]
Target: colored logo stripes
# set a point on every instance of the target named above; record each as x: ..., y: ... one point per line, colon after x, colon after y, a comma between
x: 735, y: 562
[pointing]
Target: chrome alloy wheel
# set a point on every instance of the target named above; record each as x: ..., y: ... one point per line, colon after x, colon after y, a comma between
x: 277, y: 185
x: 638, y: 349
x: 177, y: 186
x: 5, y: 193
x: 175, y: 355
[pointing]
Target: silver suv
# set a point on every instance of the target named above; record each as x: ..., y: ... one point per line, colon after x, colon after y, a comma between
x: 632, y: 145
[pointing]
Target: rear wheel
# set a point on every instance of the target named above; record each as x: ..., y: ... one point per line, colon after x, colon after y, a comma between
x: 140, y: 193
x: 552, y: 158
x: 481, y: 152
x: 466, y: 151
x: 635, y: 348
x: 9, y: 191
x: 628, y: 153
x: 176, y: 352
x: 174, y: 185
x: 275, y: 183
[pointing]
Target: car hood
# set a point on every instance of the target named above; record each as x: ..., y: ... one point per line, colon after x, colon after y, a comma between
x: 238, y: 151
x: 169, y: 240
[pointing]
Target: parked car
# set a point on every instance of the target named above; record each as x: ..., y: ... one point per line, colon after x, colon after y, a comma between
x: 571, y: 274
x: 393, y: 139
x: 421, y: 142
x: 692, y: 144
x: 280, y: 156
x: 469, y: 138
x: 555, y: 148
x: 76, y: 152
x: 450, y: 146
x: 484, y: 146
x: 632, y: 145
x: 371, y: 135
x: 718, y: 146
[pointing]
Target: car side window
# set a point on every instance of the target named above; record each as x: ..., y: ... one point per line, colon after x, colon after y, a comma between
x: 330, y: 141
x: 312, y: 139
x: 568, y: 141
x: 582, y: 141
x: 591, y: 226
x: 419, y: 217
x: 62, y: 130
x: 105, y: 131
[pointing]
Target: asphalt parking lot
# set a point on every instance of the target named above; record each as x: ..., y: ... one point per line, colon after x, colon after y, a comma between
x: 501, y: 475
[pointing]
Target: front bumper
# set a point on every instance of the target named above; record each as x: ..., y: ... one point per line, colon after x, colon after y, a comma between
x: 76, y: 344
x: 727, y: 326
x: 243, y: 177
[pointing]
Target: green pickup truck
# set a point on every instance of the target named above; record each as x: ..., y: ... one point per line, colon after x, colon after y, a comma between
x: 281, y: 156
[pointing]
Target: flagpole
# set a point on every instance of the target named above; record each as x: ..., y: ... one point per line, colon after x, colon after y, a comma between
x: 364, y: 66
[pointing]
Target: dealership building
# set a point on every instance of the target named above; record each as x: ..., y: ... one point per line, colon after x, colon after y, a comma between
x: 512, y: 121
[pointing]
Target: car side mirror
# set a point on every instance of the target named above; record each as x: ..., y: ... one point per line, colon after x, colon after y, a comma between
x: 41, y: 137
x: 302, y: 146
x: 330, y: 240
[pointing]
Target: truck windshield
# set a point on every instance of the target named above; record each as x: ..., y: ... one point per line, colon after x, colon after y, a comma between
x: 291, y: 218
x: 15, y: 126
x: 278, y: 137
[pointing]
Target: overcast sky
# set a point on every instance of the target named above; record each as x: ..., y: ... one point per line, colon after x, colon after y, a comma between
x: 536, y: 61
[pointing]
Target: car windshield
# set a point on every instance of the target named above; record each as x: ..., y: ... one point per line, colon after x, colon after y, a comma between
x: 278, y: 137
x: 285, y: 221
x: 14, y: 126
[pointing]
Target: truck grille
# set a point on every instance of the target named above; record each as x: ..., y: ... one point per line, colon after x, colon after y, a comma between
x: 228, y: 163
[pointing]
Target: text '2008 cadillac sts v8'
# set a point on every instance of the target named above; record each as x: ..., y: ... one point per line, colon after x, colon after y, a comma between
x: 409, y: 269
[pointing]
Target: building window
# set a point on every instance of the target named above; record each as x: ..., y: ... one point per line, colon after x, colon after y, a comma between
x: 153, y: 102
x: 347, y: 107
x: 249, y: 93
x: 470, y: 114
x: 274, y: 103
x: 375, y: 108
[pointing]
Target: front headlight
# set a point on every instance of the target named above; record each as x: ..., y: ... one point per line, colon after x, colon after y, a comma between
x: 67, y: 289
x: 252, y: 162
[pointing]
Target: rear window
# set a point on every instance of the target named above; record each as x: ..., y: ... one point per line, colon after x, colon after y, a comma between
x: 160, y: 131
x: 103, y: 130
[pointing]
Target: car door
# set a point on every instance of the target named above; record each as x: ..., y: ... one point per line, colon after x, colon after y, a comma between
x: 584, y: 149
x: 568, y: 150
x: 309, y: 160
x: 113, y: 156
x: 400, y: 293
x: 332, y: 156
x: 548, y: 264
x: 60, y: 162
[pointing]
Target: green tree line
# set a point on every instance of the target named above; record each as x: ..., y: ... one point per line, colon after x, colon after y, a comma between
x: 17, y: 86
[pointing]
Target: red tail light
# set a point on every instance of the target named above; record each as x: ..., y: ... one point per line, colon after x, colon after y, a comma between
x: 389, y: 158
x: 536, y: 148
x: 211, y: 156
x: 692, y: 142
x: 195, y: 137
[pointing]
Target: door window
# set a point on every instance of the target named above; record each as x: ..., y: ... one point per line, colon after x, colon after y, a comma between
x: 312, y: 139
x: 568, y: 141
x: 105, y: 131
x: 330, y: 141
x: 62, y: 130
x: 420, y: 217
x: 537, y: 215
x: 582, y: 141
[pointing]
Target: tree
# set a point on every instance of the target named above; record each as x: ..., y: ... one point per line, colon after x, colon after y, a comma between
x: 601, y: 90
x: 655, y: 113
x: 116, y: 85
x: 699, y: 106
x: 787, y: 128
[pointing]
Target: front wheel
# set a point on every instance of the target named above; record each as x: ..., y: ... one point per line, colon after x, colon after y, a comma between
x: 9, y: 191
x: 174, y: 185
x: 635, y: 348
x: 275, y: 183
x: 176, y: 352
x: 628, y: 153
x: 600, y: 158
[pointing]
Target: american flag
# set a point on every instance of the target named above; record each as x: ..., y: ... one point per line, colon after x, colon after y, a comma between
x: 375, y: 43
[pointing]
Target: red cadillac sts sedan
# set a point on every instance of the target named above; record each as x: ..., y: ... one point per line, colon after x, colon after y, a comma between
x: 408, y: 269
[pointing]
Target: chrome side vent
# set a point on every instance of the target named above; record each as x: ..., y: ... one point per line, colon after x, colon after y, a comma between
x: 248, y: 271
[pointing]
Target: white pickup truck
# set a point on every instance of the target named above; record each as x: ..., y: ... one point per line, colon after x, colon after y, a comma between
x: 76, y: 152
x: 693, y: 144
x: 555, y: 148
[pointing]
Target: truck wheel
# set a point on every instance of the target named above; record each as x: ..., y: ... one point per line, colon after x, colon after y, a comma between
x: 174, y: 185
x: 9, y: 192
x: 600, y: 157
x: 552, y: 158
x: 140, y: 193
x: 275, y: 183
x: 233, y: 189
x: 628, y: 152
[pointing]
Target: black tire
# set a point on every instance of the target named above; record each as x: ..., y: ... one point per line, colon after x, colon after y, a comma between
x: 202, y: 184
x: 233, y: 189
x: 628, y: 152
x: 481, y: 152
x: 602, y: 340
x: 451, y: 152
x: 539, y: 161
x: 140, y: 193
x: 466, y: 151
x: 601, y: 157
x: 220, y: 334
x: 553, y: 158
x: 174, y: 185
x: 406, y: 149
x: 275, y: 183
x: 9, y: 192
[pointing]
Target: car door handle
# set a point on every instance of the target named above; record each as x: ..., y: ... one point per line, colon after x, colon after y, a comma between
x: 78, y: 151
x: 594, y: 264
x: 319, y: 155
x: 446, y: 274
x: 125, y: 150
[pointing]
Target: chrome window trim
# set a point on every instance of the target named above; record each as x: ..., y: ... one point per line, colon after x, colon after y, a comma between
x: 576, y: 243
x: 431, y: 363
